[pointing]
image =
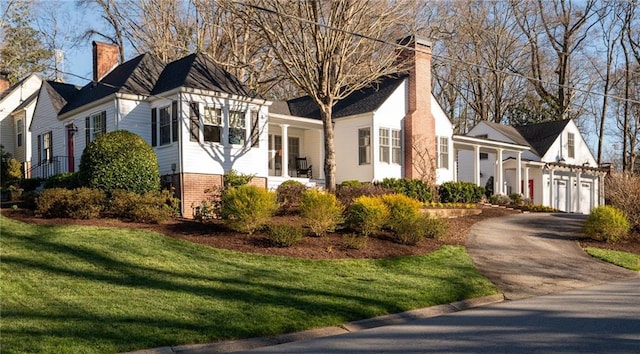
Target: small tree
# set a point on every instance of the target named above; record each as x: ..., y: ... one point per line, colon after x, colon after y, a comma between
x: 11, y: 169
x: 120, y: 160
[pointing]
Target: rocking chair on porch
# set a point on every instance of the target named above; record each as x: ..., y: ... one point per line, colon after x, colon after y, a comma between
x: 302, y: 169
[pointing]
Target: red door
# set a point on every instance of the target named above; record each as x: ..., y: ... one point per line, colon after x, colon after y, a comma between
x: 70, y: 148
x: 530, y: 188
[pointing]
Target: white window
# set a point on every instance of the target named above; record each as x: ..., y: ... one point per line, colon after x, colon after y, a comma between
x: 95, y: 125
x: 237, y: 127
x: 45, y: 147
x: 212, y: 124
x: 165, y: 125
x: 571, y: 147
x: 19, y: 131
x: 443, y: 152
x: 384, y: 145
x: 364, y: 146
x: 396, y: 147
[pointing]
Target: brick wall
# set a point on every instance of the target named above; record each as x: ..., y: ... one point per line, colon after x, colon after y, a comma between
x: 190, y: 188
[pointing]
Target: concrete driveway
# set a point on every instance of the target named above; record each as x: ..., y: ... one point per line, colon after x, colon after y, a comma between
x: 535, y: 254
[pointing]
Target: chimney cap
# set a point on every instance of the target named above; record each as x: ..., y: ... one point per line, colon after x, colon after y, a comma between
x: 415, y: 40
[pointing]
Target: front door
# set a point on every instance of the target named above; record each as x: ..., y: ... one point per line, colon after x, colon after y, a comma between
x: 70, y: 148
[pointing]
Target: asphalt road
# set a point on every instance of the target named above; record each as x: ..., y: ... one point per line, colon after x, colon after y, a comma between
x: 599, y: 319
x: 536, y: 254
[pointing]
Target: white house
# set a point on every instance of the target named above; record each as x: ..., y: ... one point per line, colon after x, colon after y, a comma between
x: 17, y: 105
x: 200, y: 120
x: 549, y: 163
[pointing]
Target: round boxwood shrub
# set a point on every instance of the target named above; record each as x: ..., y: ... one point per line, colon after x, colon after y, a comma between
x: 607, y: 223
x: 120, y: 160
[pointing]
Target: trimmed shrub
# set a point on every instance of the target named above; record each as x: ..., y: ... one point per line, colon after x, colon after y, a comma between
x: 321, y: 211
x: 247, y: 208
x: 285, y: 235
x: 367, y: 215
x: 460, y: 192
x: 607, y: 223
x: 350, y: 183
x: 354, y: 241
x: 516, y: 199
x: 289, y: 195
x: 30, y: 184
x: 402, y: 210
x: 412, y: 188
x: 79, y: 203
x: 120, y: 160
x: 151, y: 207
x: 63, y: 180
x: 415, y: 229
x: 348, y: 193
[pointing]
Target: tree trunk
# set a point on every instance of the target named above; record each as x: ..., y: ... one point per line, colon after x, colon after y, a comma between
x: 329, y: 147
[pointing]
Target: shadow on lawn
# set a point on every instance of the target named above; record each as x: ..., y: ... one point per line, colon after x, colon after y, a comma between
x: 260, y: 294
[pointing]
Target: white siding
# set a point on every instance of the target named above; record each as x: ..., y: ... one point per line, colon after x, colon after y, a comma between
x: 215, y: 158
x: 45, y: 119
x: 444, y: 128
x: 8, y: 104
x: 559, y: 148
x: 390, y: 115
x: 134, y: 116
x: 346, y: 147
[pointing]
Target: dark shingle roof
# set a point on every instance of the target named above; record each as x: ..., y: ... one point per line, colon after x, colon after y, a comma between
x: 542, y: 135
x: 198, y: 71
x: 510, y: 132
x: 365, y: 100
x: 60, y: 93
x: 136, y: 76
x: 10, y: 89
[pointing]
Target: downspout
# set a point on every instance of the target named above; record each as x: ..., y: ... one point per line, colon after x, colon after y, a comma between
x: 180, y: 149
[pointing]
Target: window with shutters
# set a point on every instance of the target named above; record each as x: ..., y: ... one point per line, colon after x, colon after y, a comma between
x: 164, y: 114
x: 212, y: 123
x: 45, y: 147
x: 95, y: 125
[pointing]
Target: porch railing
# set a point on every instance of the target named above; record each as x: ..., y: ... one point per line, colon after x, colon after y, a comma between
x: 45, y: 169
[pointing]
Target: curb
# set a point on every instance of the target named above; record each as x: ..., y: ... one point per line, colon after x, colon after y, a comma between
x: 350, y: 327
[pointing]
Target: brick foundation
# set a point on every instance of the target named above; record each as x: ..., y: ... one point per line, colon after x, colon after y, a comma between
x: 190, y: 188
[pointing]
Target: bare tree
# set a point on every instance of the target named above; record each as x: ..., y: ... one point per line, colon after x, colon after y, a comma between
x: 113, y: 16
x: 330, y: 49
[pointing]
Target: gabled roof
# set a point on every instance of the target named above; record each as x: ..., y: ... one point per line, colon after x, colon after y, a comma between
x: 198, y: 71
x: 60, y: 93
x: 542, y: 135
x: 136, y: 76
x: 365, y: 100
x: 26, y: 102
x: 508, y: 131
x: 6, y: 92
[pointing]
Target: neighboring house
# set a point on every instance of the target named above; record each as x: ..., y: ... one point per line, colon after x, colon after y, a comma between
x: 200, y: 120
x: 549, y: 163
x: 394, y: 128
x: 17, y: 104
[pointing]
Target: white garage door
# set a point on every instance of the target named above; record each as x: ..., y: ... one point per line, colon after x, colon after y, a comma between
x: 561, y: 195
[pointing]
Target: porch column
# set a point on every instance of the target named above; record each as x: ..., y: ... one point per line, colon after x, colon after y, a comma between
x: 500, y: 179
x: 578, y: 194
x: 455, y: 165
x: 527, y: 191
x: 551, y: 204
x: 519, y: 182
x: 285, y: 149
x: 476, y: 165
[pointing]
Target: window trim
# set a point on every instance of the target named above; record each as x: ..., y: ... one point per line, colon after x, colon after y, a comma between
x: 164, y: 140
x: 396, y: 159
x: 45, y: 155
x: 384, y: 145
x: 234, y: 128
x: 364, y: 150
x: 571, y: 145
x: 443, y: 154
x: 92, y: 130
x: 19, y: 132
x: 220, y: 124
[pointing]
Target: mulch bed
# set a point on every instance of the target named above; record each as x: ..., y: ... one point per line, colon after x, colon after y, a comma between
x: 332, y: 246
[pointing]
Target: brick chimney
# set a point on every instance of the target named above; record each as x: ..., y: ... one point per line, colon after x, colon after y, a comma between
x: 4, y: 80
x: 105, y: 58
x: 419, y: 123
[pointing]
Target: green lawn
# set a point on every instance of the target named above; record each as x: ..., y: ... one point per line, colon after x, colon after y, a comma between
x: 622, y: 259
x: 83, y: 289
